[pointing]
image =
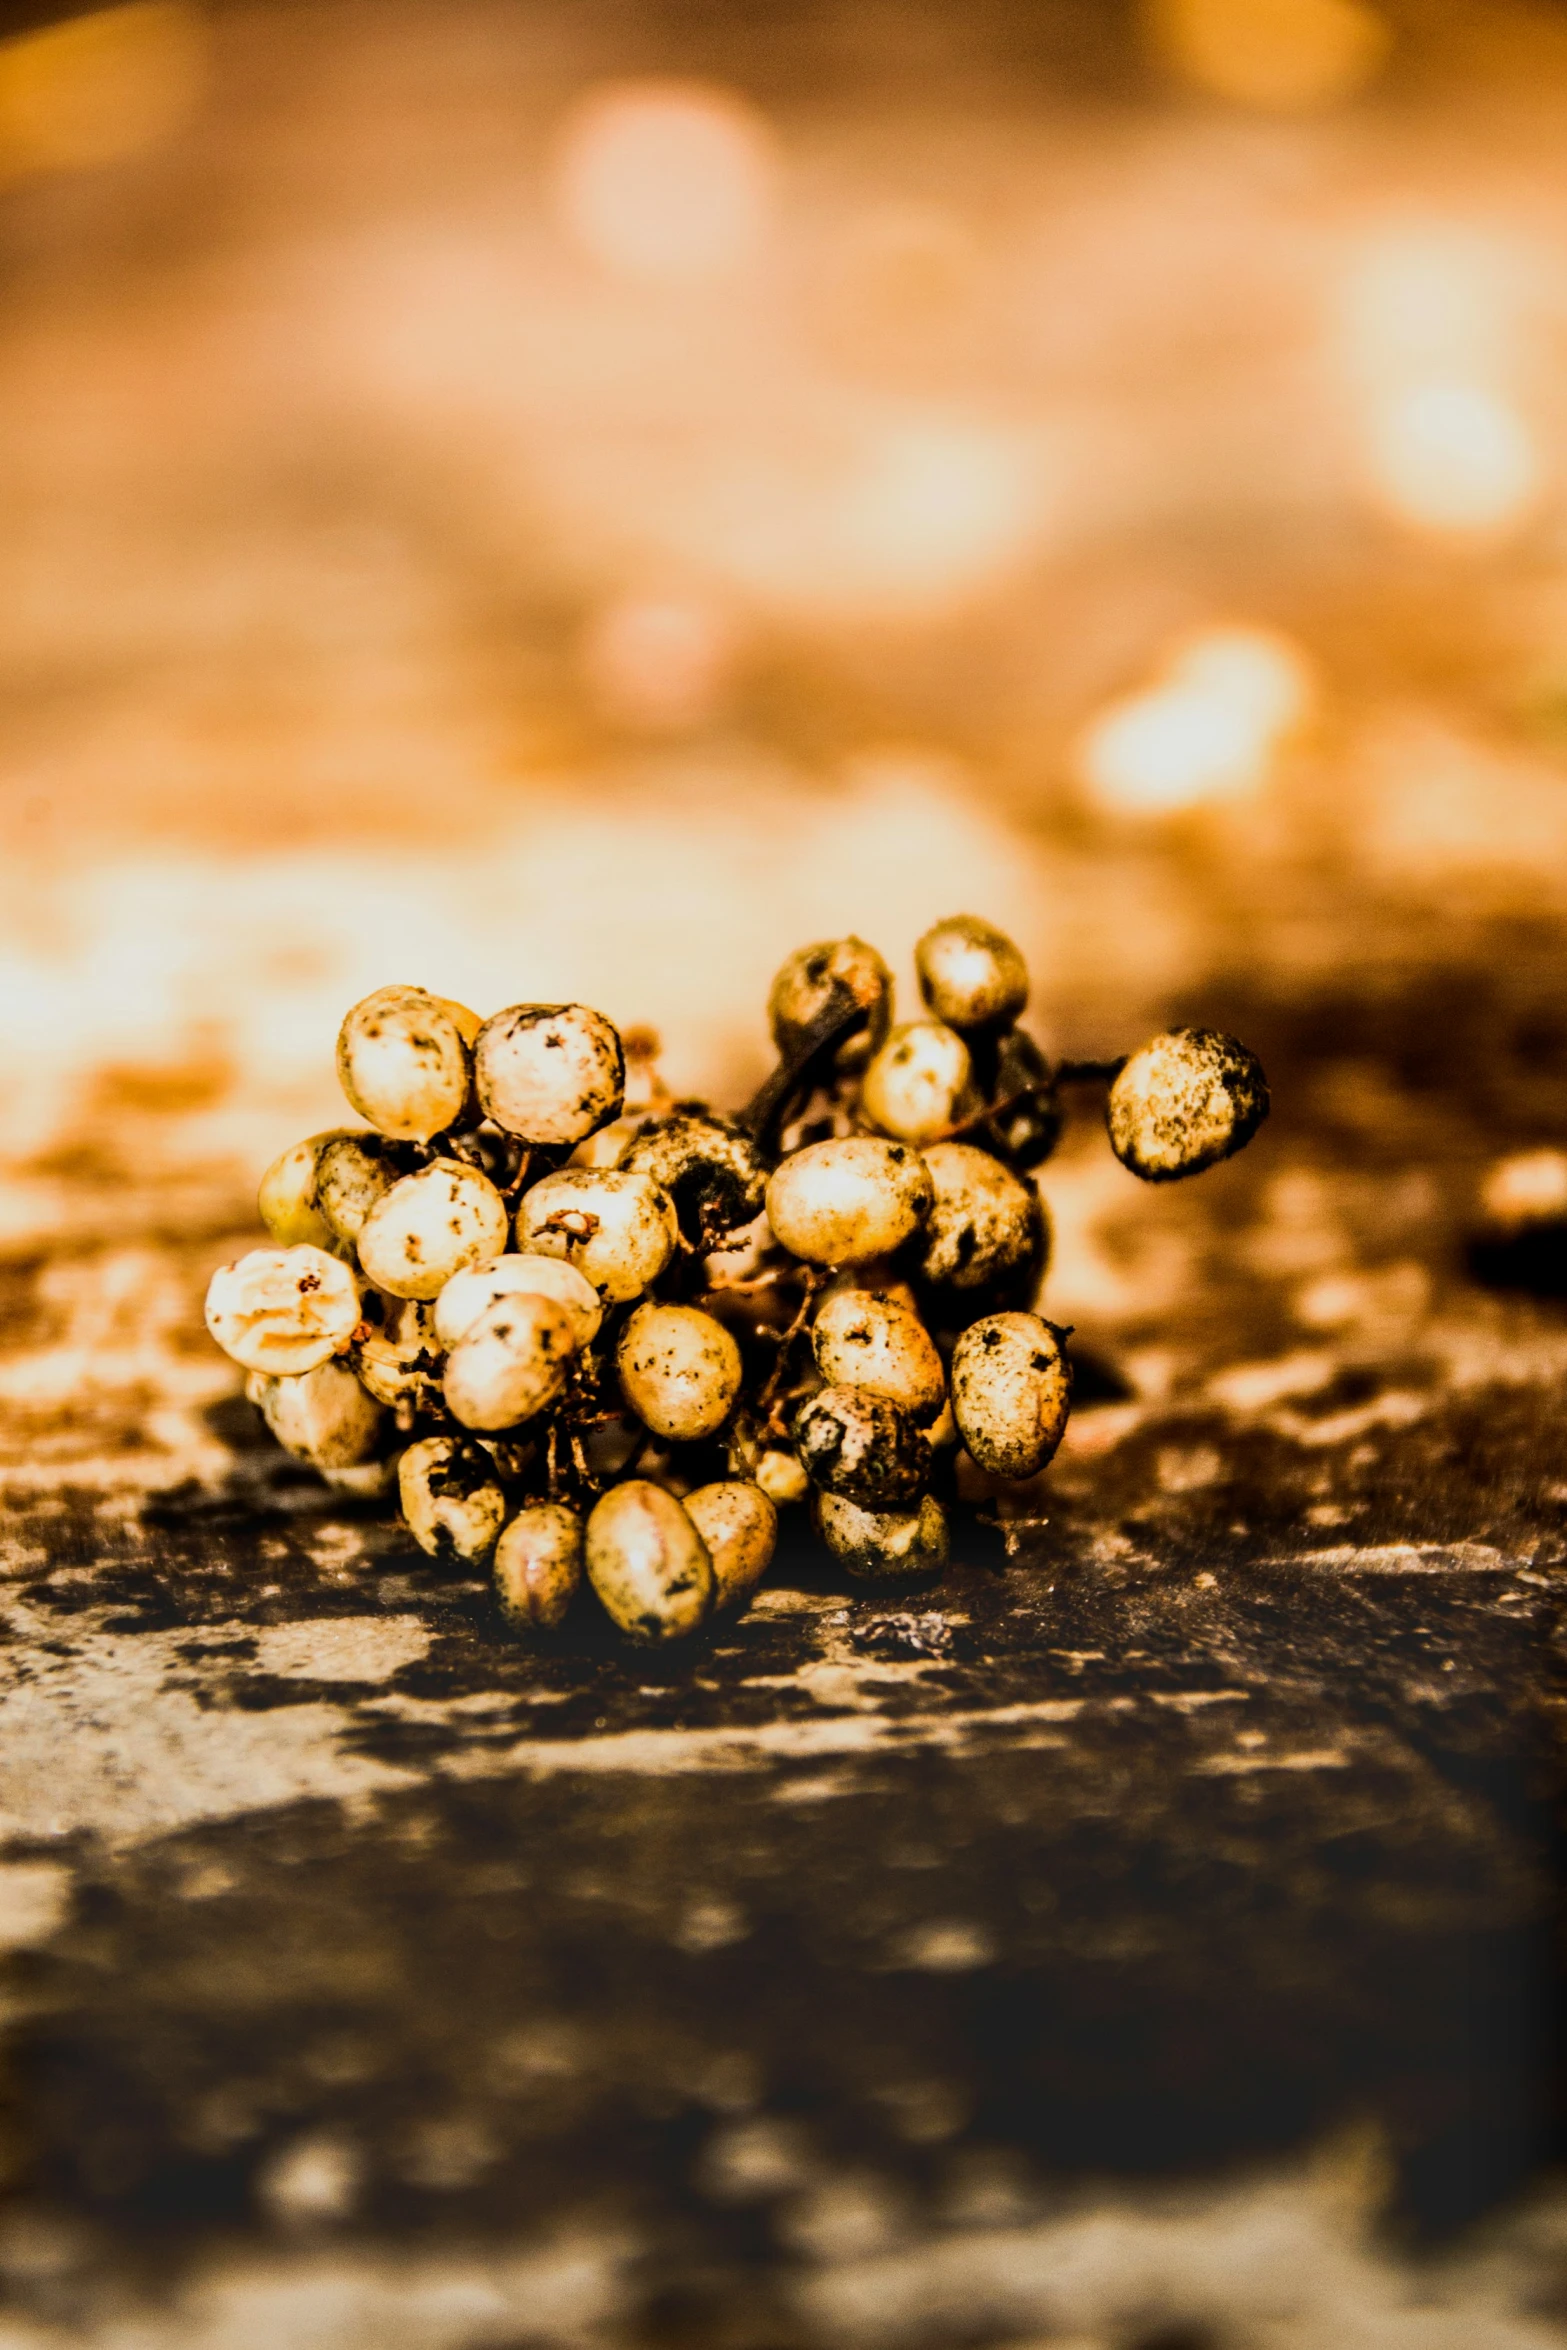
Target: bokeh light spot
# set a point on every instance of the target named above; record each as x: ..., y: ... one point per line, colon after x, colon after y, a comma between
x: 1283, y: 55
x: 666, y: 183
x: 658, y: 661
x: 1432, y: 299
x: 1208, y: 727
x: 98, y: 88
x: 1528, y: 1188
x: 1454, y: 457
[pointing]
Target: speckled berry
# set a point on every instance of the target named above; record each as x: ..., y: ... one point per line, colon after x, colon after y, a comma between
x: 814, y: 979
x: 647, y: 1563
x: 538, y: 1565
x: 403, y: 1063
x: 430, y: 1226
x: 844, y: 1202
x: 452, y: 1500
x: 323, y: 1416
x: 987, y: 1237
x: 713, y: 1172
x: 855, y: 1442
x: 353, y: 1172
x: 1011, y: 1392
x: 920, y: 1084
x: 865, y: 1339
x: 1184, y: 1102
x: 283, y: 1310
x: 970, y: 974
x: 398, y: 1359
x: 618, y: 1229
x: 679, y: 1371
x: 466, y: 1295
x: 739, y: 1525
x: 510, y: 1364
x: 883, y: 1543
x: 549, y: 1073
x: 287, y: 1199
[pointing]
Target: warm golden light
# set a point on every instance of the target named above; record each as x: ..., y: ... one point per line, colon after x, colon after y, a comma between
x: 936, y: 508
x: 658, y: 661
x: 1208, y: 727
x: 870, y: 515
x: 1284, y: 55
x: 1528, y: 1188
x: 98, y: 88
x: 1454, y: 457
x: 666, y: 183
x: 903, y: 269
x: 1431, y: 299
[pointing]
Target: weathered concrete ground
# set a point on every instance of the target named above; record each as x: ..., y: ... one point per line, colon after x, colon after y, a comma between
x: 1142, y: 1937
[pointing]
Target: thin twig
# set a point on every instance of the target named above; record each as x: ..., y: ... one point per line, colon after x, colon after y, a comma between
x: 815, y: 1277
x: 580, y: 1463
x: 1010, y: 1101
x: 1064, y: 1073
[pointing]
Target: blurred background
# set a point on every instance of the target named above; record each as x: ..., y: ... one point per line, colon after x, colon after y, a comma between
x: 571, y: 501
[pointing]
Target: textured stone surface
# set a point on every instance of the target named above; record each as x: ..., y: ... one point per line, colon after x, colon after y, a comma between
x: 1145, y: 1927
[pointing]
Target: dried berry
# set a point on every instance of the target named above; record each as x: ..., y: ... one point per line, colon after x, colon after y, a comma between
x: 1011, y: 1392
x: 466, y: 1295
x: 353, y: 1172
x: 403, y: 1062
x: 452, y: 1499
x: 874, y: 1543
x: 549, y: 1073
x: 398, y: 1360
x: 617, y: 1229
x: 1025, y: 1124
x: 1184, y: 1102
x: 817, y: 978
x: 322, y: 1416
x: 855, y: 1442
x: 430, y: 1226
x: 679, y: 1371
x: 283, y: 1310
x: 510, y: 1364
x: 781, y: 1476
x: 921, y: 1083
x: 740, y: 1528
x: 986, y: 1240
x: 970, y: 974
x: 647, y: 1562
x: 287, y: 1197
x: 847, y: 1202
x: 864, y: 1338
x: 538, y: 1565
x: 715, y: 1175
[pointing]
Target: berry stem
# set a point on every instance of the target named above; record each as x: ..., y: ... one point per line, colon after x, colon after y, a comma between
x: 815, y: 1277
x: 763, y: 1113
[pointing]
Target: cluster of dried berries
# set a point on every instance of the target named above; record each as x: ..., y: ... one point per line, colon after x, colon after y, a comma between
x: 606, y: 1341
